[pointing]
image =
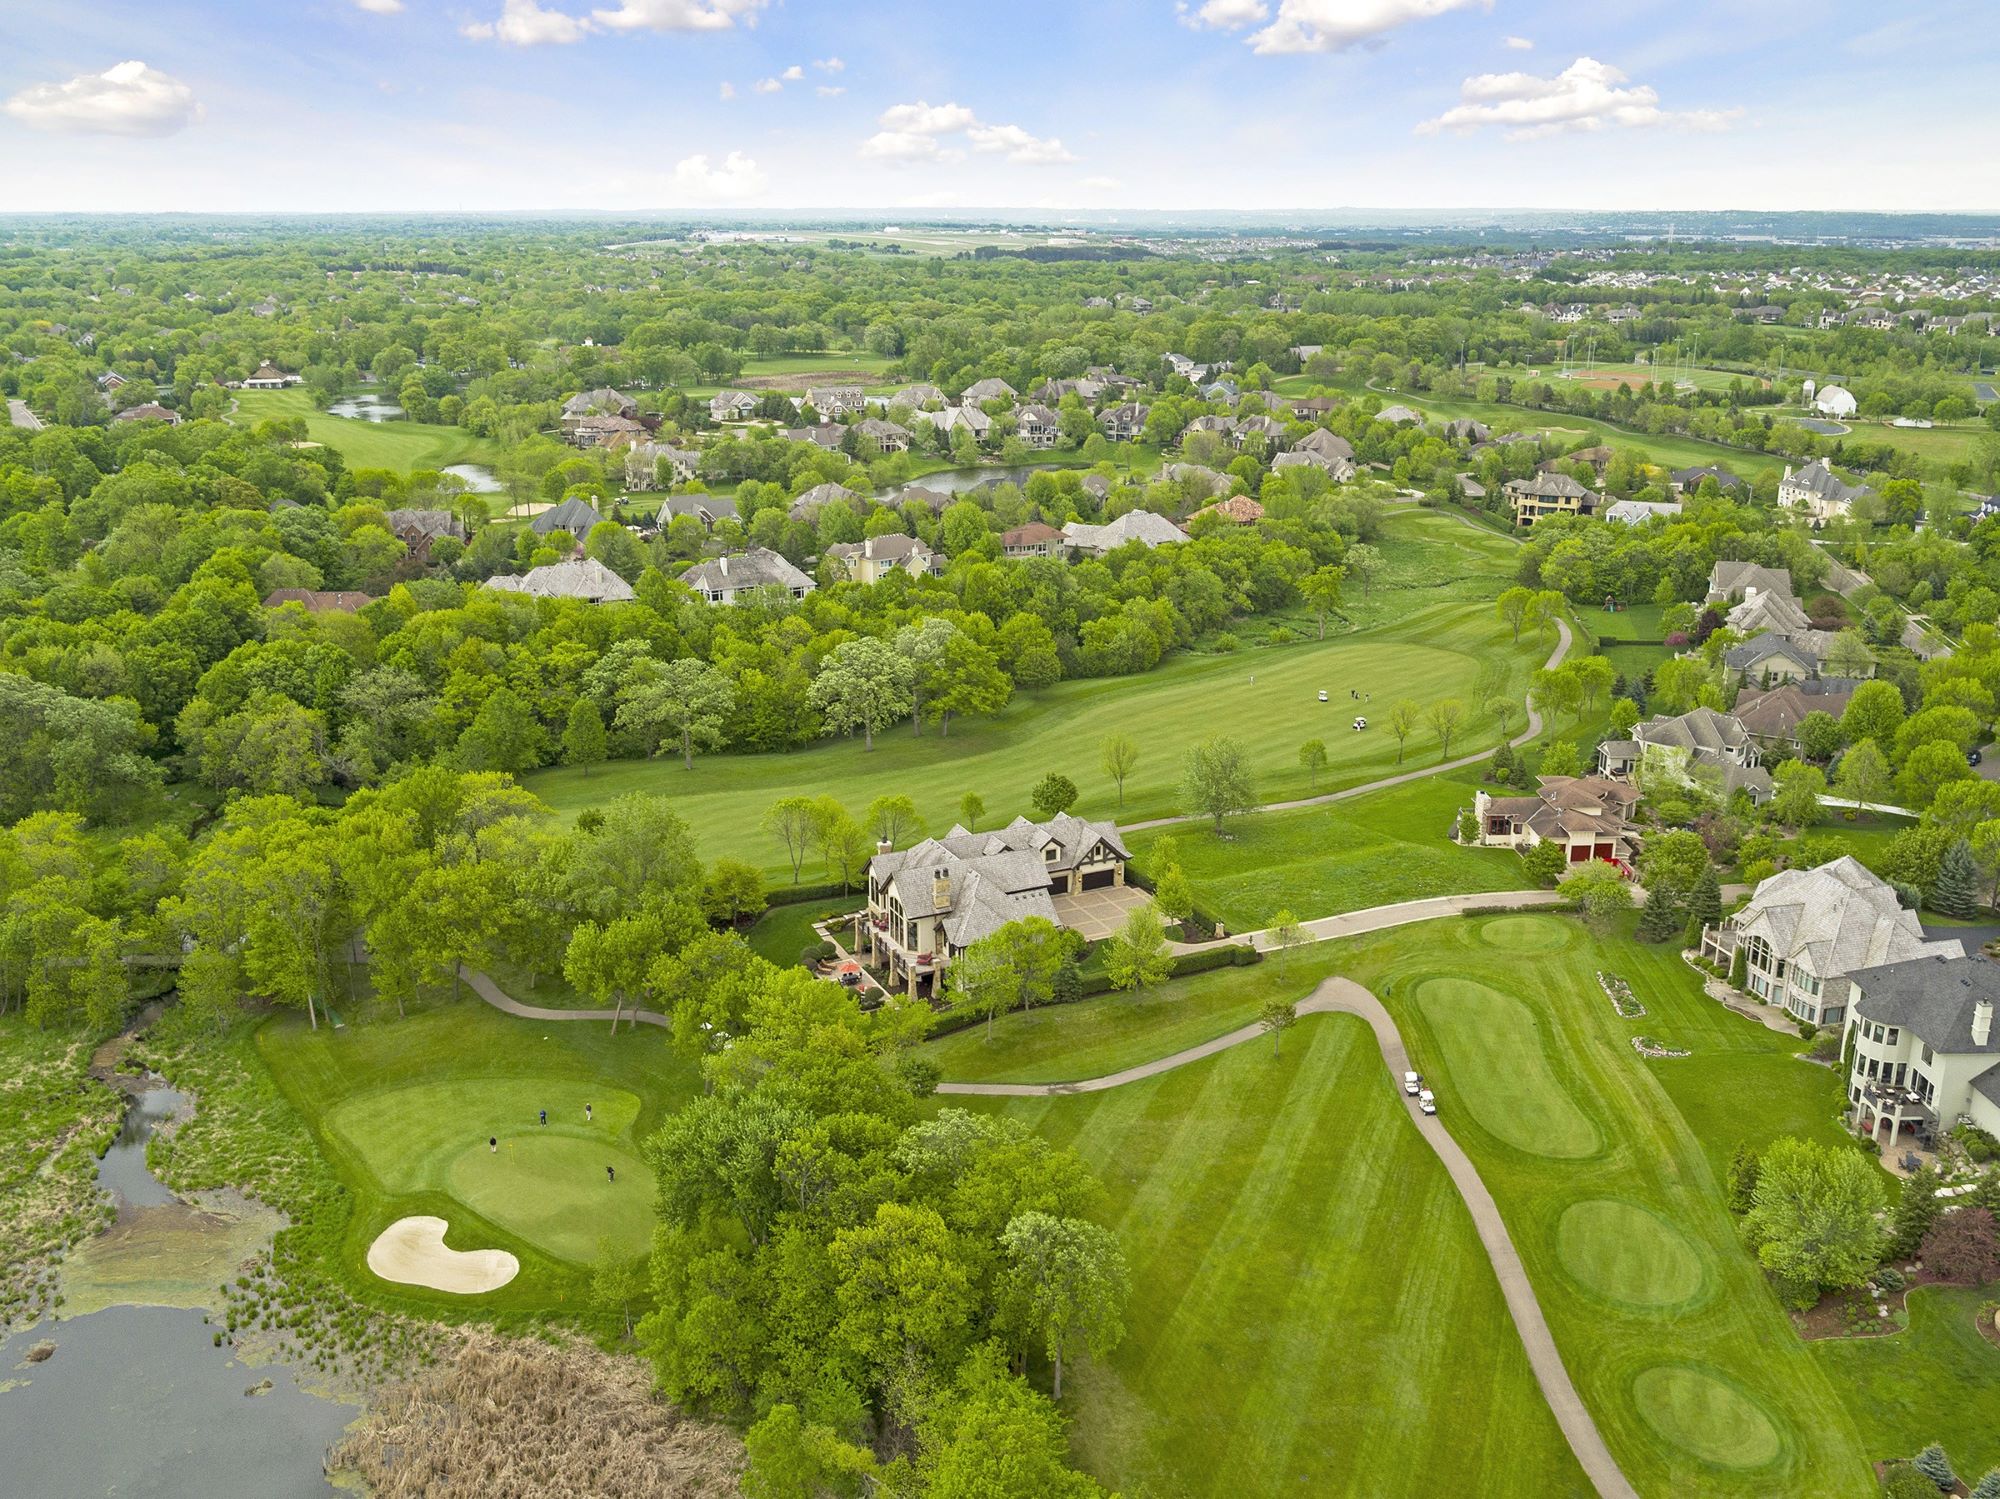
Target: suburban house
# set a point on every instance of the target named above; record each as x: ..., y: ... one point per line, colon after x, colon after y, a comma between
x: 1805, y: 930
x: 318, y: 601
x: 1036, y: 539
x: 1329, y: 445
x: 1819, y: 492
x: 603, y: 401
x: 731, y: 406
x: 417, y: 529
x: 981, y: 391
x: 644, y: 460
x: 573, y: 516
x: 1732, y: 582
x: 887, y: 436
x: 917, y: 396
x: 1674, y: 747
x: 827, y: 435
x: 1767, y: 658
x: 1687, y: 480
x: 807, y: 506
x: 1638, y: 512
x: 1124, y: 423
x: 1039, y: 427
x: 832, y: 401
x: 873, y: 560
x: 270, y: 377
x: 928, y: 903
x: 1589, y: 817
x: 1545, y: 495
x: 1399, y: 416
x: 1598, y: 460
x: 1142, y: 526
x: 728, y: 579
x: 1337, y: 469
x: 572, y: 578
x: 959, y: 418
x: 1772, y: 718
x: 1466, y: 430
x: 1921, y: 1047
x: 1209, y: 481
x: 1213, y: 425
x: 1238, y: 510
x: 1781, y: 615
x: 149, y: 411
x: 706, y: 508
x: 1267, y: 427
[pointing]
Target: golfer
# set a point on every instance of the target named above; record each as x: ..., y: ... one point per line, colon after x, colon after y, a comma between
x: 493, y: 1144
x: 586, y: 1113
x: 611, y: 1173
x: 545, y: 1118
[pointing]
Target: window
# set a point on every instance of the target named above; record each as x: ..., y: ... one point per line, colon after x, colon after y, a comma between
x: 910, y: 935
x: 1925, y: 1049
x: 1895, y: 1035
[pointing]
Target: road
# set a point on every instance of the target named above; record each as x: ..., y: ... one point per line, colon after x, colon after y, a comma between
x: 1403, y: 778
x: 20, y: 416
x: 1343, y: 996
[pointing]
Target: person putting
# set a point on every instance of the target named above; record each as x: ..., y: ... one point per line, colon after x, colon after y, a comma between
x: 545, y: 1118
x: 493, y: 1144
x: 611, y: 1174
x: 586, y: 1113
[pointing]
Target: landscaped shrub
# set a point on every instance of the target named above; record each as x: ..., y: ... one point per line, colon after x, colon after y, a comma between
x: 1544, y: 864
x: 1977, y: 1143
x: 1935, y: 1466
x: 1960, y: 1247
x: 1226, y: 643
x: 1066, y: 986
x: 1890, y: 1279
x: 1989, y: 1486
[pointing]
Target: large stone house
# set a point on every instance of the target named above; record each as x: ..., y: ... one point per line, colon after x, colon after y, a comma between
x: 1126, y: 423
x: 1733, y: 582
x: 888, y: 437
x: 738, y: 575
x: 646, y: 463
x: 1678, y: 748
x: 731, y: 406
x: 1805, y: 930
x: 873, y: 560
x: 574, y: 516
x: 706, y: 508
x: 1921, y: 1046
x: 1588, y: 817
x: 1142, y: 526
x: 1329, y: 445
x: 981, y: 391
x: 418, y: 529
x: 928, y: 903
x: 1818, y: 491
x: 832, y: 401
x: 1545, y: 495
x: 572, y: 578
x: 1035, y: 539
x: 1038, y: 426
x: 1772, y: 717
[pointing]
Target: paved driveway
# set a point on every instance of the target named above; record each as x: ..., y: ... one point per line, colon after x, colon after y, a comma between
x: 1096, y: 914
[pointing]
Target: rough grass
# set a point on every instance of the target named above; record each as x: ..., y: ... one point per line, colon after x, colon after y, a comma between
x: 400, y: 445
x: 1936, y: 1381
x: 1312, y: 1312
x: 511, y: 1417
x: 1376, y: 849
x: 1447, y: 649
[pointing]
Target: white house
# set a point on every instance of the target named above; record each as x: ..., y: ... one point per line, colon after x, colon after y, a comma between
x: 1817, y: 490
x: 1835, y: 401
x: 873, y: 560
x: 1921, y: 1045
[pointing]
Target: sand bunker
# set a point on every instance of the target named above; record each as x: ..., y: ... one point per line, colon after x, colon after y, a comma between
x: 412, y: 1252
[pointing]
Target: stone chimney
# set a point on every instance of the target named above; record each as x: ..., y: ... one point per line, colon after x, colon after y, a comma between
x: 941, y: 891
x: 884, y: 846
x: 1982, y: 1022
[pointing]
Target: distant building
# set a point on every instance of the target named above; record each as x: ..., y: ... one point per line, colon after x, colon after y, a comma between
x: 582, y: 578
x: 317, y: 601
x: 1546, y: 495
x: 1817, y: 490
x: 270, y: 377
x: 873, y: 560
x: 1142, y: 526
x: 740, y: 575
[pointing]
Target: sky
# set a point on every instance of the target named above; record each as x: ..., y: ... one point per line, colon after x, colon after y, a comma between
x: 1041, y: 106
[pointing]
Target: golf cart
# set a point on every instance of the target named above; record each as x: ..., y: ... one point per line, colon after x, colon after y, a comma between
x: 1413, y: 1083
x: 1427, y: 1101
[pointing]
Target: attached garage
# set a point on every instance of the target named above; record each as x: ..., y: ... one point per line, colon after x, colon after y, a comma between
x: 1100, y: 879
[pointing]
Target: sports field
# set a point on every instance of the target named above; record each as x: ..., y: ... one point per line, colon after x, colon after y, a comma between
x: 399, y: 445
x: 404, y: 1110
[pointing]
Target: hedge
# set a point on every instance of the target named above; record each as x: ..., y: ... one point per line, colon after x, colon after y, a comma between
x: 793, y: 895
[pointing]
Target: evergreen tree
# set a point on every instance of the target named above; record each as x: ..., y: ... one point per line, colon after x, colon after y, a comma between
x: 1916, y: 1210
x: 1742, y: 1179
x: 1661, y: 918
x: 1989, y: 1486
x: 1935, y: 1466
x: 1956, y: 892
x: 1705, y: 901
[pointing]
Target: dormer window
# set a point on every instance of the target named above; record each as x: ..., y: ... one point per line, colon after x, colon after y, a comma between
x: 1050, y: 852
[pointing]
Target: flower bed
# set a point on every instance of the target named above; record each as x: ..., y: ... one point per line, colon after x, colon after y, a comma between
x: 1620, y: 994
x: 1646, y: 1046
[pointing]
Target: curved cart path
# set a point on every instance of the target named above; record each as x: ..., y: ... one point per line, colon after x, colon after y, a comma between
x: 1402, y: 778
x: 1343, y: 996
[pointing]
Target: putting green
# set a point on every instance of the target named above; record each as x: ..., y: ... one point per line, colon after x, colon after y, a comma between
x: 545, y: 1182
x: 1528, y: 934
x: 1704, y: 1414
x: 1624, y: 1253
x: 1510, y: 1086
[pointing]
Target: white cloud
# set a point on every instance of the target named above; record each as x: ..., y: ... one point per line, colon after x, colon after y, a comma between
x: 1319, y: 25
x: 1018, y: 145
x: 523, y: 23
x: 829, y: 91
x: 127, y: 99
x: 728, y: 89
x: 679, y: 15
x: 768, y: 86
x: 830, y: 65
x: 793, y: 74
x: 1100, y: 184
x: 1586, y: 95
x: 901, y: 145
x: 380, y: 7
x: 1519, y: 44
x: 927, y: 119
x: 736, y: 176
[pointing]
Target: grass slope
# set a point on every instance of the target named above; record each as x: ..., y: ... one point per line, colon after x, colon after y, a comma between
x: 1938, y: 1380
x: 1442, y: 650
x: 400, y: 445
x: 1312, y: 1312
x: 403, y: 1110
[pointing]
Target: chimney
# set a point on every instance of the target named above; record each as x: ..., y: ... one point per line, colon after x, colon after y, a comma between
x: 1982, y: 1022
x: 884, y: 846
x: 941, y: 890
x: 723, y: 564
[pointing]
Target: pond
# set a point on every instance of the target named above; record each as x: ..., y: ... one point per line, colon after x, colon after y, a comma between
x: 959, y: 480
x: 138, y: 1401
x: 477, y: 476
x: 366, y: 407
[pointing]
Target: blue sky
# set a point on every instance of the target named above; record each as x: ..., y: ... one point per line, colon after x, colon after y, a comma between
x: 1044, y: 105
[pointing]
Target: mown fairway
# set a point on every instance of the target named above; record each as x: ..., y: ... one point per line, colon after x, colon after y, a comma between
x: 1311, y: 1312
x: 399, y: 445
x: 404, y: 1109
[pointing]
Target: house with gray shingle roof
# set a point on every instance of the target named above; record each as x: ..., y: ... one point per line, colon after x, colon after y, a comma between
x: 573, y: 516
x: 808, y: 505
x: 928, y: 903
x: 1924, y: 1050
x: 1805, y: 930
x: 735, y: 577
x: 1818, y: 491
x: 572, y: 578
x: 1142, y: 526
x: 1767, y: 658
x: 1673, y: 749
x: 873, y: 560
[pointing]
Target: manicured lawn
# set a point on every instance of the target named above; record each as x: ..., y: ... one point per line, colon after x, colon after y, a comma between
x: 403, y: 1110
x: 783, y: 932
x: 1936, y: 1381
x: 1376, y: 849
x: 1451, y: 649
x: 1311, y: 1310
x: 403, y: 446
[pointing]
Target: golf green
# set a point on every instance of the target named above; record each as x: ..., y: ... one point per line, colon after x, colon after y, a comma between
x: 1510, y: 1087
x: 1628, y: 1254
x: 1706, y: 1415
x: 546, y: 1183
x: 1528, y: 934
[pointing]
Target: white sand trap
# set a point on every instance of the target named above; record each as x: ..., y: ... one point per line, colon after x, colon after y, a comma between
x: 412, y: 1252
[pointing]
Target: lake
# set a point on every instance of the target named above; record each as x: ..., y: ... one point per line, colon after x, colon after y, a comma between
x: 478, y: 477
x: 365, y: 407
x: 959, y: 480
